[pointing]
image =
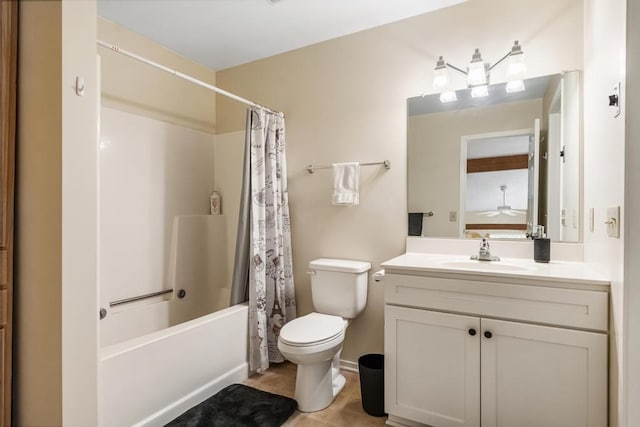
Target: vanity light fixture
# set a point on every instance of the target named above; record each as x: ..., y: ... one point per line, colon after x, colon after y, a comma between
x: 478, y: 74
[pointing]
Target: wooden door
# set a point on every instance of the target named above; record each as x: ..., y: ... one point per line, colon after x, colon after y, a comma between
x: 8, y: 61
x: 432, y: 367
x: 536, y: 376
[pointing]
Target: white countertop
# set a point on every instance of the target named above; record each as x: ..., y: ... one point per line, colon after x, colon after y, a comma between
x: 564, y: 271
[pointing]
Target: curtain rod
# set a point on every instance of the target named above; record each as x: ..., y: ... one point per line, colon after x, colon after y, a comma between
x: 177, y: 73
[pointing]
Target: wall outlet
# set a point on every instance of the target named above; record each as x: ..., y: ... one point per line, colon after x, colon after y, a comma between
x: 613, y: 221
x: 453, y: 216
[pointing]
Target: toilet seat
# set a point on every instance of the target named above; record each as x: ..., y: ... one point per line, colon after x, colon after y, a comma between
x: 312, y: 330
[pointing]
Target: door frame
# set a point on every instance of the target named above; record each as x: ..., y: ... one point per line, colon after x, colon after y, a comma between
x: 464, y: 140
x: 8, y: 105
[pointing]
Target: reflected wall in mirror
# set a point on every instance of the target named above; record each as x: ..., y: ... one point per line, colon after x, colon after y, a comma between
x: 498, y: 165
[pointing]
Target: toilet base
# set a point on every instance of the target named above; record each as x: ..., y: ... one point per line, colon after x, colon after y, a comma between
x: 318, y: 384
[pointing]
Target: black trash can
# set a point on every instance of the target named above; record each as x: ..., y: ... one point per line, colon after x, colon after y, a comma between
x: 371, y: 367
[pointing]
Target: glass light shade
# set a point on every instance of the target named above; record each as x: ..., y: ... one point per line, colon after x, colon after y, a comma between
x: 448, y: 96
x: 440, y: 78
x: 515, y: 86
x: 476, y: 74
x: 479, y: 91
x: 516, y: 66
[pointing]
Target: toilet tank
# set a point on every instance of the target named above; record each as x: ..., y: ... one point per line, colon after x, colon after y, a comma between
x: 339, y: 286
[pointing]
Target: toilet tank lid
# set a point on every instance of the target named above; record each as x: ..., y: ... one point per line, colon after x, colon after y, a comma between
x: 341, y: 265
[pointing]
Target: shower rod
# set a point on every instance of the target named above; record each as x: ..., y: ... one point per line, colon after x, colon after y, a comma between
x: 193, y: 80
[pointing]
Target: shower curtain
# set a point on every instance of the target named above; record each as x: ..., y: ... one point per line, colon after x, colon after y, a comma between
x: 263, y: 269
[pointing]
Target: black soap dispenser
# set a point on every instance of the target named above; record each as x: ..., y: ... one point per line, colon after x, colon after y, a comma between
x: 541, y: 244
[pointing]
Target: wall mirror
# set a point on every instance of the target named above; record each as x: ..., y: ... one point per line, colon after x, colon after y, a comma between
x: 496, y: 166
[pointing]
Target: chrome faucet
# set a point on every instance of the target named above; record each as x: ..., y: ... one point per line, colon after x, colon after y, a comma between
x: 484, y: 253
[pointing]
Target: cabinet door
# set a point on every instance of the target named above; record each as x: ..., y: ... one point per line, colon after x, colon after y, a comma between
x: 432, y: 367
x: 536, y: 376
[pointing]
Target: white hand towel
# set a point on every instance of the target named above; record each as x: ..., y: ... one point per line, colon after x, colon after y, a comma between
x: 346, y: 179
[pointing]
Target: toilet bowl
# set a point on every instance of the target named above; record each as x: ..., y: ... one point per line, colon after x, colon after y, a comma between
x: 314, y: 342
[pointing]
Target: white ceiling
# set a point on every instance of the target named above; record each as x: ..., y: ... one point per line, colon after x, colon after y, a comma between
x: 224, y: 33
x: 500, y: 146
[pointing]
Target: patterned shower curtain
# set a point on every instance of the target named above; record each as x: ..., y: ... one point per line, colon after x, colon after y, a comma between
x: 271, y: 292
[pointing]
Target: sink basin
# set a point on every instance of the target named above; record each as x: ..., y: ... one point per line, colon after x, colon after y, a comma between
x: 484, y: 265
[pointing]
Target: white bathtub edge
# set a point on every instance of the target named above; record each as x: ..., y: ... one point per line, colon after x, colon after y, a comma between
x: 172, y: 411
x: 118, y: 349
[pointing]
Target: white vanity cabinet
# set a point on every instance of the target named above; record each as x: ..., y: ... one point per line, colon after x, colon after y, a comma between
x: 476, y: 350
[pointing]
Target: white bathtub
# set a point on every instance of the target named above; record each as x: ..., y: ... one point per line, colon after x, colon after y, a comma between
x: 150, y: 380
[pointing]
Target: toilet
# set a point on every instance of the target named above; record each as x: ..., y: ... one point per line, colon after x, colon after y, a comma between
x: 314, y: 342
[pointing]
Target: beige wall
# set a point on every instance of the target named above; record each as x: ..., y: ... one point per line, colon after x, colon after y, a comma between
x: 433, y: 163
x: 135, y: 87
x: 604, y: 159
x: 345, y: 100
x: 38, y: 274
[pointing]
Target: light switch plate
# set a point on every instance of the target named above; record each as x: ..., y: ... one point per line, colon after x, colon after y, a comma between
x: 453, y: 216
x: 613, y: 221
x: 615, y: 91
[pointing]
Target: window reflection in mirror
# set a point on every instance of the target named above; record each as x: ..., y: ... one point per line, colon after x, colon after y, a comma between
x: 496, y: 166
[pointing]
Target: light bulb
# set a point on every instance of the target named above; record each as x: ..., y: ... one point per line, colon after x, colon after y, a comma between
x: 479, y: 91
x: 515, y: 86
x: 448, y: 96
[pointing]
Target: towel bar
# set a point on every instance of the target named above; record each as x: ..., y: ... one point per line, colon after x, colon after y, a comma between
x: 311, y: 168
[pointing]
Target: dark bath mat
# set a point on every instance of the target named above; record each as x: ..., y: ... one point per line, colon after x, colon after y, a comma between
x: 238, y: 405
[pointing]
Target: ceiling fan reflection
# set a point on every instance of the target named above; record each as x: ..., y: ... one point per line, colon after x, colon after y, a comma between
x: 504, y: 209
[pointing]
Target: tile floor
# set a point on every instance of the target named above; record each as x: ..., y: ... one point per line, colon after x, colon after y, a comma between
x: 346, y: 409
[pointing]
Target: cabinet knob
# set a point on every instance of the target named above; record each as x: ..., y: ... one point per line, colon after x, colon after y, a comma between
x: 487, y: 334
x: 472, y: 332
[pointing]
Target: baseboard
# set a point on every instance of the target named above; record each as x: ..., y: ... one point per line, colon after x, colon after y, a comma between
x: 348, y: 365
x: 173, y: 410
x: 402, y: 422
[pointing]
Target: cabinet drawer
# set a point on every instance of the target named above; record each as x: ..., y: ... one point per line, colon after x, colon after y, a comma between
x: 554, y: 306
